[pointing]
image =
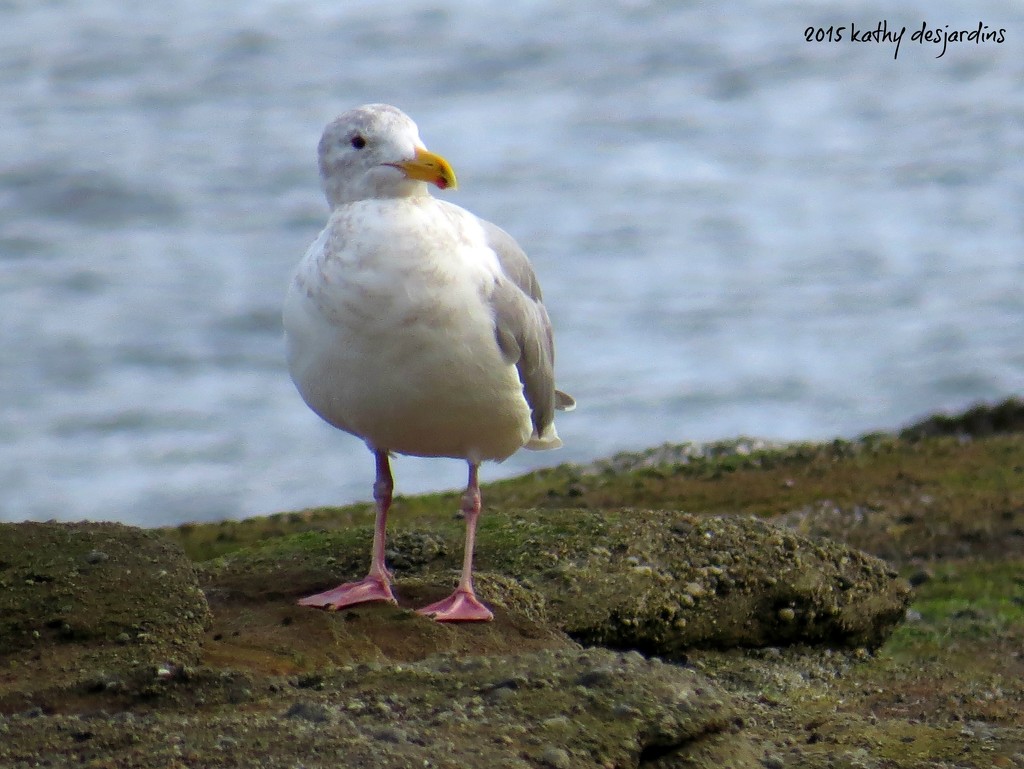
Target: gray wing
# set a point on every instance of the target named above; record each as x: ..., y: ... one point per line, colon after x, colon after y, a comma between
x: 523, y: 329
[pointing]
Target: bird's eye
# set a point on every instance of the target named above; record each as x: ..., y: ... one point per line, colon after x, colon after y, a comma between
x: 358, y: 142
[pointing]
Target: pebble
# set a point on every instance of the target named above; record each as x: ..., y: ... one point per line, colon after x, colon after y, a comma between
x: 787, y: 614
x: 555, y: 722
x: 238, y: 695
x: 632, y: 657
x: 308, y: 711
x: 919, y: 577
x: 392, y: 734
x: 557, y: 758
x: 682, y: 528
x: 595, y: 677
x: 495, y: 696
x: 625, y: 710
x: 694, y: 589
x: 227, y: 743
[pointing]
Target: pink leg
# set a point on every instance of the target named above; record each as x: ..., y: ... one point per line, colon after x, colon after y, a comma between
x: 463, y: 605
x: 375, y: 586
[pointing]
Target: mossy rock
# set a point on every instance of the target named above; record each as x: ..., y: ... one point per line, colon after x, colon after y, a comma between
x: 275, y: 635
x: 655, y: 581
x: 570, y: 709
x: 83, y: 602
x: 979, y: 421
x: 663, y: 582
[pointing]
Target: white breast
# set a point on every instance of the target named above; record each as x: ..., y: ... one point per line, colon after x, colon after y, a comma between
x: 390, y: 335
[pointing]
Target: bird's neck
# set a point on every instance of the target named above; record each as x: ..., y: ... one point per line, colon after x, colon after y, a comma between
x: 372, y: 189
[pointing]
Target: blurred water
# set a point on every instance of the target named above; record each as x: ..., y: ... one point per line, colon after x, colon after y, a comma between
x: 737, y: 231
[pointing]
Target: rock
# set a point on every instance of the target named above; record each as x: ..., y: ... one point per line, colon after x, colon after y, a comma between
x: 84, y: 604
x: 92, y: 582
x: 710, y: 582
x: 313, y: 712
x: 409, y: 550
x: 660, y: 582
x: 919, y: 577
x: 273, y: 633
x: 556, y: 758
x: 428, y: 713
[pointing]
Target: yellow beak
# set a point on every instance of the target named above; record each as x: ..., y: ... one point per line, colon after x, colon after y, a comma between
x: 430, y: 168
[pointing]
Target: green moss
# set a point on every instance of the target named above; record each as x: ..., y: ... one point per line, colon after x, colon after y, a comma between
x: 962, y: 603
x: 945, y: 481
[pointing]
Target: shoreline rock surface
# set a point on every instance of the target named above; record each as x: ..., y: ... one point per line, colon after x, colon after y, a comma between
x: 729, y: 640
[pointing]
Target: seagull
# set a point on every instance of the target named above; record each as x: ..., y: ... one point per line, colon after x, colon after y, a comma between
x: 419, y: 328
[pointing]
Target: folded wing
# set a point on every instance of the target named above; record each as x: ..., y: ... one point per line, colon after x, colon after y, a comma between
x: 524, y: 335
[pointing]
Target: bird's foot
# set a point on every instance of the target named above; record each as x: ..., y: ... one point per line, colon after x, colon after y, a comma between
x: 460, y: 606
x: 370, y: 588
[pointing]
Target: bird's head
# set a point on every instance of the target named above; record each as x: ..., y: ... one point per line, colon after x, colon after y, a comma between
x: 375, y: 151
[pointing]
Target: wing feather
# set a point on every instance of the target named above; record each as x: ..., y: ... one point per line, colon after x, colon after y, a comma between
x: 524, y: 335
